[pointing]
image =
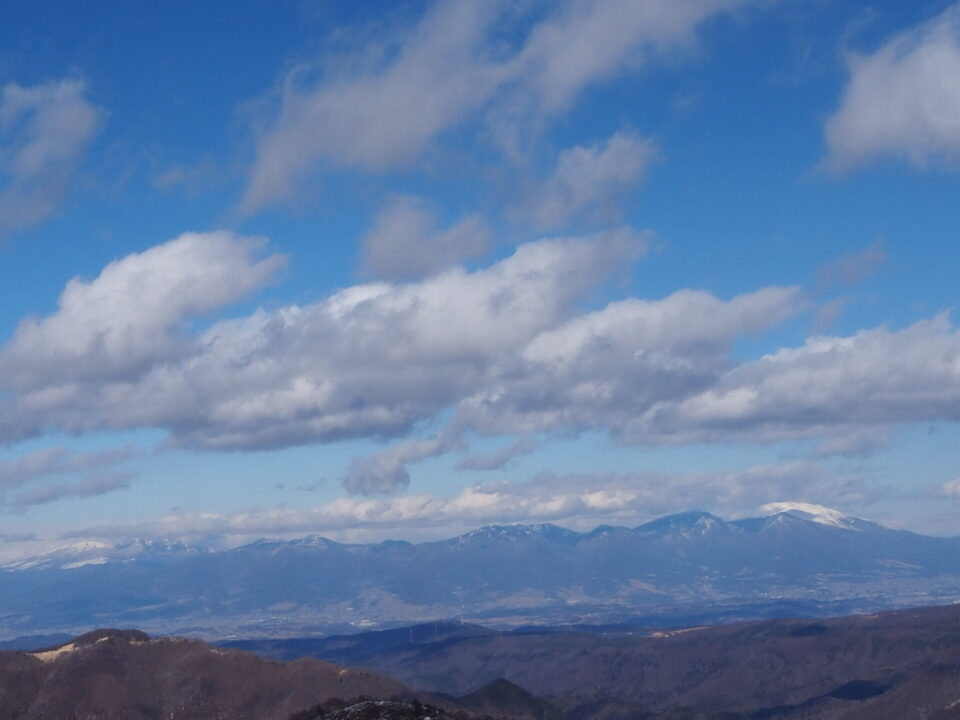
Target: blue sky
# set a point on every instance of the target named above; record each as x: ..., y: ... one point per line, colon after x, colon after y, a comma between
x: 400, y: 269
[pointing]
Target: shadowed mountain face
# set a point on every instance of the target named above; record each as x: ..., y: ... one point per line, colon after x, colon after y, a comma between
x: 126, y: 675
x: 687, y: 565
x: 891, y: 666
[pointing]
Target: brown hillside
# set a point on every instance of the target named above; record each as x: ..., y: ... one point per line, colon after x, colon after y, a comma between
x: 114, y: 675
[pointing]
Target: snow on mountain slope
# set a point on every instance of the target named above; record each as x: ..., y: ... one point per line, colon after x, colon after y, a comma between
x: 92, y: 552
x: 815, y: 513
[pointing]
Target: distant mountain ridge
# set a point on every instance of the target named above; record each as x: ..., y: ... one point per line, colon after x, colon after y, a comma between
x: 92, y: 552
x: 818, y: 560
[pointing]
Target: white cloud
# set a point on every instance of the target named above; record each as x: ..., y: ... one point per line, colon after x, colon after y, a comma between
x: 874, y: 379
x: 590, y: 40
x: 595, y: 371
x: 591, y: 181
x: 371, y: 360
x: 45, y: 131
x: 902, y: 101
x: 506, y: 349
x: 602, y: 369
x: 132, y: 314
x: 382, y: 115
x: 384, y: 106
x: 404, y: 243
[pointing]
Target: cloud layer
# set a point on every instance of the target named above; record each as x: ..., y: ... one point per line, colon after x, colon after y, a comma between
x: 501, y: 350
x: 579, y: 500
x: 590, y: 181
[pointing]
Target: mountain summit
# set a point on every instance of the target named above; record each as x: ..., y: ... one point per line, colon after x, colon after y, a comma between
x: 816, y: 513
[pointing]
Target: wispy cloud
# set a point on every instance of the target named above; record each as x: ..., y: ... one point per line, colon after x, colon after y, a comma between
x: 498, y: 459
x: 405, y: 244
x: 853, y: 267
x: 590, y: 182
x: 88, y: 486
x: 902, y: 101
x: 57, y: 461
x: 450, y: 68
x: 386, y: 471
x: 45, y: 131
x: 45, y: 476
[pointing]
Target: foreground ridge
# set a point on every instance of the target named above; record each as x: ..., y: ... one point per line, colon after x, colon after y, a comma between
x: 887, y: 666
x: 882, y: 666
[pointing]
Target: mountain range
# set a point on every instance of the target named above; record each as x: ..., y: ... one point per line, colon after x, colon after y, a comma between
x: 684, y: 568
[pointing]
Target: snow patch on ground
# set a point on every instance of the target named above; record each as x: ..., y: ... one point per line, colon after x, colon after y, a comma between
x: 51, y: 655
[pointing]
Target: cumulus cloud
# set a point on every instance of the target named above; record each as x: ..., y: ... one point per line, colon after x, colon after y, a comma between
x: 370, y: 360
x: 503, y: 349
x: 600, y: 370
x: 579, y: 500
x: 450, y: 67
x: 874, y: 378
x: 902, y: 101
x: 404, y: 243
x: 591, y: 181
x: 131, y: 315
x: 45, y: 131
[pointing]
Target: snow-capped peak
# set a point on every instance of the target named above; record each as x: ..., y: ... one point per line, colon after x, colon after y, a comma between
x: 813, y: 513
x: 94, y: 552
